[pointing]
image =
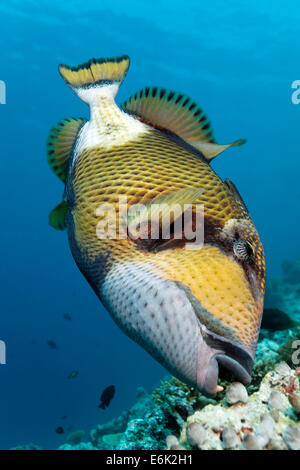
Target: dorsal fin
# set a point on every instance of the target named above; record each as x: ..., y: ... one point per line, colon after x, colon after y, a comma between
x: 173, y: 111
x: 59, y: 145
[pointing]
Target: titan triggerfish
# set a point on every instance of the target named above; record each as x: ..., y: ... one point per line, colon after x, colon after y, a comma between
x: 197, y: 310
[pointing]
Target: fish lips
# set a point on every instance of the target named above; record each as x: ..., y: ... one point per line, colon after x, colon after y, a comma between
x: 215, y: 351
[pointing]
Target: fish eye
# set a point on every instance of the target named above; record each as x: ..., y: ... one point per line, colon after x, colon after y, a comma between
x: 243, y: 250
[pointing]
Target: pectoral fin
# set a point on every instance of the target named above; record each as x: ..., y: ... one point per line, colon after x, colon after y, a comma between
x: 59, y: 148
x: 57, y: 217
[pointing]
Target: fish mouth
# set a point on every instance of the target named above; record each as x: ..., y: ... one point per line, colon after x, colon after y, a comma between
x: 215, y: 351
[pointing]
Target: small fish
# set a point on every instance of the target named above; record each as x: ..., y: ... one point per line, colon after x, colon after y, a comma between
x: 196, y: 311
x: 107, y: 396
x: 63, y: 417
x: 60, y: 430
x: 73, y: 374
x: 52, y: 344
x: 67, y: 316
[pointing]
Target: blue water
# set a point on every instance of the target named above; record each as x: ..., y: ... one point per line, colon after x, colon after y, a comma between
x: 238, y: 60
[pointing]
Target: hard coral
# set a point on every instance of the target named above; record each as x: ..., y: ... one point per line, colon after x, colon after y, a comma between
x: 251, y: 423
x: 236, y: 392
x: 178, y: 401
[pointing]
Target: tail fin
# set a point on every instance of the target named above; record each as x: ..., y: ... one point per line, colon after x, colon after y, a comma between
x: 96, y: 77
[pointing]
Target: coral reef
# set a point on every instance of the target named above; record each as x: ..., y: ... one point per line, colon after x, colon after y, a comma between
x: 252, y: 425
x: 148, y: 433
x: 108, y: 435
x: 196, y: 434
x: 27, y: 447
x: 291, y: 437
x: 229, y: 438
x: 236, y: 393
x: 81, y: 446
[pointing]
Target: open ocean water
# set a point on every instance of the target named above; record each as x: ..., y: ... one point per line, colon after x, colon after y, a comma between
x: 238, y: 61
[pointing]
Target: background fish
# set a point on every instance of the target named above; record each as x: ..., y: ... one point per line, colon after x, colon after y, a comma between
x: 191, y: 309
x: 106, y: 396
x: 73, y: 374
x: 52, y: 344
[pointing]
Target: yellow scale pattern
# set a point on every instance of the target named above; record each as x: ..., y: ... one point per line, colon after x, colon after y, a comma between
x: 149, y: 167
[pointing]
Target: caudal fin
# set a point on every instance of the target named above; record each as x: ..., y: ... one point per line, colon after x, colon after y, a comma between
x: 96, y: 77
